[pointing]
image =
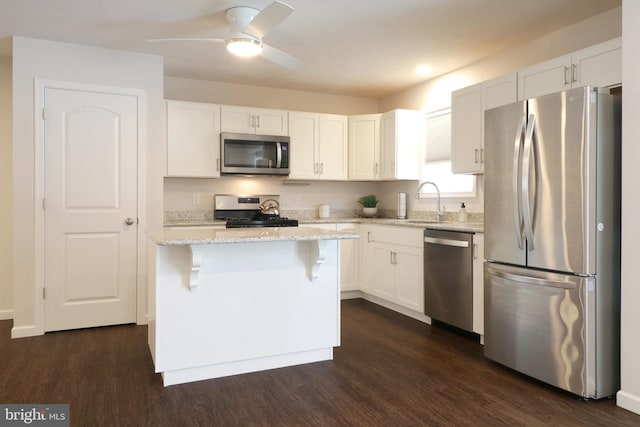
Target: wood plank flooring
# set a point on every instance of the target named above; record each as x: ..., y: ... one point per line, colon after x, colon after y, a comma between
x: 390, y: 371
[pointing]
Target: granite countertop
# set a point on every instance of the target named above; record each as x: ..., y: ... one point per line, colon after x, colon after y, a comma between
x: 203, y: 236
x: 413, y: 223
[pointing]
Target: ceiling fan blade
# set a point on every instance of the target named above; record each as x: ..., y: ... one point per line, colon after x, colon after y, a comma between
x: 268, y: 19
x: 279, y: 57
x: 200, y: 39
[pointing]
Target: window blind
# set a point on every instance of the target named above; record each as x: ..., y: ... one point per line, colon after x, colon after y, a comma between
x: 438, y: 146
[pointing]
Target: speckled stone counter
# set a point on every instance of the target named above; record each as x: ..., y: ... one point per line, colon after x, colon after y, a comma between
x: 203, y: 236
x: 469, y: 227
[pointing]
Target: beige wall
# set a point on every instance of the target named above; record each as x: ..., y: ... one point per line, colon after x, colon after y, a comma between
x: 629, y: 396
x: 40, y: 59
x: 6, y: 288
x: 255, y: 96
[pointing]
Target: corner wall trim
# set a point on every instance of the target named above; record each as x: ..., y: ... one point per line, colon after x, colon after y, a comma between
x: 24, y: 331
x: 628, y: 401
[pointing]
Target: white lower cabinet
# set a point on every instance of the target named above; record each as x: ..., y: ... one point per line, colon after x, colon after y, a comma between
x: 478, y: 283
x: 391, y: 265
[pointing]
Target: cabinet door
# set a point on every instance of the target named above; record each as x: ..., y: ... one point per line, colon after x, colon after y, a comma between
x: 547, y: 77
x: 333, y: 148
x: 388, y: 145
x: 366, y: 259
x: 303, y: 129
x: 599, y: 65
x: 478, y: 283
x: 272, y: 122
x: 193, y: 139
x: 500, y: 91
x: 349, y: 259
x: 383, y: 271
x: 237, y: 119
x: 364, y: 144
x: 466, y: 130
x: 401, y: 135
x: 409, y: 278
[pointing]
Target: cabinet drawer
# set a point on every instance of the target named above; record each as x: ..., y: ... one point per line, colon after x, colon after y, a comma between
x: 397, y: 236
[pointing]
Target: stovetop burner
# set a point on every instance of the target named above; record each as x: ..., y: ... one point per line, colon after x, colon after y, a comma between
x: 261, y: 221
x: 247, y: 211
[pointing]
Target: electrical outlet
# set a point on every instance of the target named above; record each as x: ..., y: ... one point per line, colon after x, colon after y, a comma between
x: 196, y: 199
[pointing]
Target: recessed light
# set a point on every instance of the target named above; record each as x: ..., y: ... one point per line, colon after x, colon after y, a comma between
x: 423, y: 70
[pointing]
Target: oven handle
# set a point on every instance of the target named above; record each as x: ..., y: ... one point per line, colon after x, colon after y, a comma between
x: 447, y: 242
x: 278, y: 155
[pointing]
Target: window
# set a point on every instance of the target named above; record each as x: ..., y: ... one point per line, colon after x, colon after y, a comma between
x: 437, y: 159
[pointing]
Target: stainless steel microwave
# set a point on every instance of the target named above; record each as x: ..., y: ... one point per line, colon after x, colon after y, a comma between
x: 248, y: 154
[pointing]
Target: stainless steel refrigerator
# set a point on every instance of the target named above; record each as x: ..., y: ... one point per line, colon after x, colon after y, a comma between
x: 552, y: 239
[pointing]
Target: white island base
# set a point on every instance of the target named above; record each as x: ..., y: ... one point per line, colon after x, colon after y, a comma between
x: 222, y: 309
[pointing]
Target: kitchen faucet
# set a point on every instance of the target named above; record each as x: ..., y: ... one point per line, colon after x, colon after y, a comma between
x: 439, y: 213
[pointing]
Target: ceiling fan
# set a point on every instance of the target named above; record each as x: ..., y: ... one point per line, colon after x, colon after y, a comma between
x: 247, y: 28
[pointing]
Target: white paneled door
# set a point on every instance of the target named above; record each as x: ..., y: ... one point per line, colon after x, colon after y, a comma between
x: 90, y: 208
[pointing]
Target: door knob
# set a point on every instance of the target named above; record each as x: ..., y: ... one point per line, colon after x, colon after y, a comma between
x: 129, y: 221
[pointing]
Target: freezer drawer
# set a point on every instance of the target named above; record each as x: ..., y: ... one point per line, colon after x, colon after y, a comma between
x: 539, y: 323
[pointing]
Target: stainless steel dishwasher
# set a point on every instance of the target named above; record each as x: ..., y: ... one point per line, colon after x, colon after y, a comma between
x: 448, y: 277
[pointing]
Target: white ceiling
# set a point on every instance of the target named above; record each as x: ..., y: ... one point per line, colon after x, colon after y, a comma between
x: 364, y: 48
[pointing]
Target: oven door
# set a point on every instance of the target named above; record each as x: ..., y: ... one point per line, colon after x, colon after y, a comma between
x: 254, y: 154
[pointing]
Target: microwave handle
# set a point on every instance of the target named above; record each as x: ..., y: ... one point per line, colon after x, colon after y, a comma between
x: 278, y: 155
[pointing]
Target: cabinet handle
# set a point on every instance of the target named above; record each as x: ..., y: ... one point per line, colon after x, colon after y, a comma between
x: 258, y: 121
x: 218, y: 164
x: 482, y: 155
x: 315, y: 168
x: 321, y: 168
x: 368, y: 237
x: 375, y: 169
x: 476, y: 155
x: 566, y: 78
x: 573, y: 73
x: 253, y: 121
x: 475, y: 251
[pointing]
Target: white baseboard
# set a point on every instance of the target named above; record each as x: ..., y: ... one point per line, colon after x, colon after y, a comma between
x: 628, y: 401
x: 6, y: 314
x: 350, y: 294
x: 395, y: 307
x: 24, y: 331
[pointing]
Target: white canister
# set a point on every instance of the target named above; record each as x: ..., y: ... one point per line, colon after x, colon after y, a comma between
x: 402, y: 206
x: 324, y: 211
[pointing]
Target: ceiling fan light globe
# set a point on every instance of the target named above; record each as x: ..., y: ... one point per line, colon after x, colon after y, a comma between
x: 245, y: 47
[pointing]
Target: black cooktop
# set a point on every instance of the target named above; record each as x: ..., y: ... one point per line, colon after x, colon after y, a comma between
x: 261, y: 221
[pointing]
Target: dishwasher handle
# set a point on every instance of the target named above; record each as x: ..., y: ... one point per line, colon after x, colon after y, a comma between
x: 447, y: 242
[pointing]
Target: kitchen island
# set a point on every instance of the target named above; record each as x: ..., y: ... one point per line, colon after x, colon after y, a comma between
x: 230, y: 301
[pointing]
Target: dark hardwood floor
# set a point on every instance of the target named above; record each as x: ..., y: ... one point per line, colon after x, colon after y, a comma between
x: 389, y: 371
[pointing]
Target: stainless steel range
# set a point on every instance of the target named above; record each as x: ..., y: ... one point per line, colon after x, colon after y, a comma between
x: 250, y: 211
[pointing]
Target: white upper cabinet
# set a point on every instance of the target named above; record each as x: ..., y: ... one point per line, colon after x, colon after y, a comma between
x: 467, y: 120
x: 319, y: 146
x: 261, y: 121
x: 364, y: 147
x: 401, y: 133
x: 599, y: 65
x: 466, y: 130
x: 193, y: 139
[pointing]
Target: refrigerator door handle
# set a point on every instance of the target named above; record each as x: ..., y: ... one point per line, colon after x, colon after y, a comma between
x: 526, y: 175
x: 517, y: 212
x: 533, y: 280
